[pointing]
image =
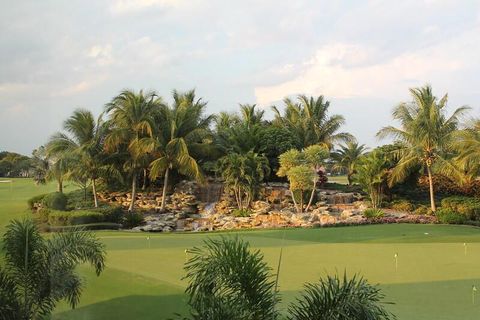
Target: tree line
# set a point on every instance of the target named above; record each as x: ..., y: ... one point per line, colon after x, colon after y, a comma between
x: 141, y: 140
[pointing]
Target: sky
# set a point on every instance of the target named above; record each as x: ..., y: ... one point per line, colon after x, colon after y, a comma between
x: 363, y: 56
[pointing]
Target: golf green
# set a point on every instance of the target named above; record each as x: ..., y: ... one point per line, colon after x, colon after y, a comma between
x: 432, y: 277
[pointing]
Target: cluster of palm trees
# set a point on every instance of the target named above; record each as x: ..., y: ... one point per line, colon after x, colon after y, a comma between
x: 140, y: 137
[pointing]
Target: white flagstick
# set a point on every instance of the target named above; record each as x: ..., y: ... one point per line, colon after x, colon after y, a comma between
x: 465, y: 246
x: 148, y: 241
x: 474, y: 291
x: 186, y: 255
x: 396, y: 262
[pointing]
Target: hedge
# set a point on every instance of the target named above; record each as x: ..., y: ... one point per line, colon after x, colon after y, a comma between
x: 448, y: 216
x: 467, y: 206
x: 55, y: 201
x: 76, y: 217
x: 36, y: 199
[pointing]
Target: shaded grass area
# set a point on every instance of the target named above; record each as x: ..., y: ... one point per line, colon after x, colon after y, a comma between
x: 433, y: 278
x: 14, y: 196
x: 143, y: 279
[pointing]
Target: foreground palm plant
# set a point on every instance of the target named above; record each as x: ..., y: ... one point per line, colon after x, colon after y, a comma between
x: 426, y: 134
x: 229, y: 281
x: 336, y: 298
x: 40, y: 272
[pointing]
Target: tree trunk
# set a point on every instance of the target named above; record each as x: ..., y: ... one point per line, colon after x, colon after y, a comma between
x: 165, y: 185
x: 294, y: 201
x: 349, y: 179
x: 144, y: 179
x: 134, y: 193
x: 60, y: 186
x: 432, y: 196
x: 311, y: 195
x: 94, y: 190
x: 301, y: 201
x: 85, y: 193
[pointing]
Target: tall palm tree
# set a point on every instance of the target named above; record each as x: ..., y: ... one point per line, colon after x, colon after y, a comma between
x: 83, y: 140
x: 467, y: 145
x: 347, y: 158
x: 240, y: 133
x: 40, y: 272
x: 426, y: 135
x: 309, y: 121
x: 180, y: 137
x: 132, y: 118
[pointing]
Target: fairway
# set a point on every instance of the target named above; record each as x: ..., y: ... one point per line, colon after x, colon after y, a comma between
x: 143, y: 279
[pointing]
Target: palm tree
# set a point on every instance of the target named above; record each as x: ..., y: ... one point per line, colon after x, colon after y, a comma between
x: 340, y: 299
x: 240, y: 134
x: 372, y: 175
x: 467, y: 145
x: 180, y: 136
x: 84, y: 142
x: 132, y: 117
x: 309, y: 121
x: 243, y: 174
x: 40, y: 272
x: 347, y: 158
x: 228, y: 281
x: 40, y: 165
x: 426, y: 135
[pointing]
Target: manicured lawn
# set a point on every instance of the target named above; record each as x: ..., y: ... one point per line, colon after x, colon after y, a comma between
x: 433, y: 281
x: 338, y: 179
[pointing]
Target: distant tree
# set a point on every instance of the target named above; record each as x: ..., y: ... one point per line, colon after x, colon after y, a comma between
x: 347, y: 158
x: 37, y: 273
x: 308, y: 120
x: 40, y: 165
x: 132, y: 117
x: 426, y: 135
x: 243, y: 174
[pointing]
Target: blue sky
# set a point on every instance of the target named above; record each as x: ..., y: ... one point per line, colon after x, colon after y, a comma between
x: 56, y: 56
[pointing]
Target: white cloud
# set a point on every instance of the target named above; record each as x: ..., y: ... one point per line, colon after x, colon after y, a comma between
x: 101, y: 54
x: 342, y: 70
x: 126, y: 6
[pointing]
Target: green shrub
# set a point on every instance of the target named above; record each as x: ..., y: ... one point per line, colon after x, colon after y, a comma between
x: 449, y: 216
x: 241, y: 213
x: 75, y: 217
x: 402, y: 205
x: 466, y: 206
x: 89, y: 226
x: 55, y: 201
x: 423, y: 210
x: 373, y: 213
x: 37, y: 199
x: 132, y: 220
x: 76, y: 199
x: 112, y: 214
